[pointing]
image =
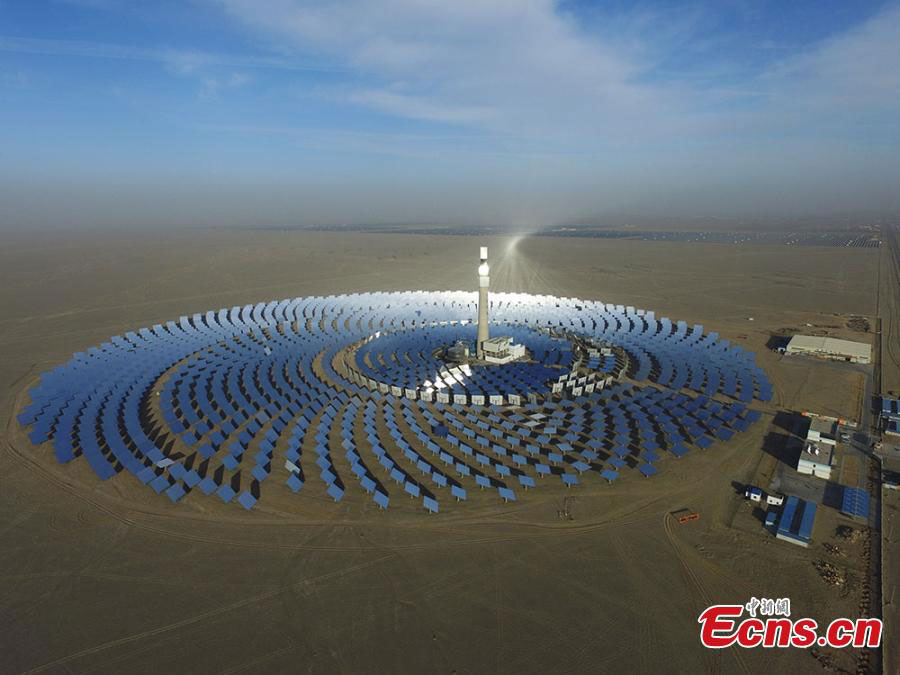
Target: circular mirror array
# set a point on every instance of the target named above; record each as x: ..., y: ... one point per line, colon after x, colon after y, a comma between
x: 360, y: 392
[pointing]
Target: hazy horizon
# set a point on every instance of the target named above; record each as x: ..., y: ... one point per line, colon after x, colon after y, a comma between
x: 520, y: 114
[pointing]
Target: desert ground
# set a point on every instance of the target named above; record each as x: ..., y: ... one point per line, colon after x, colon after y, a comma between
x: 105, y: 576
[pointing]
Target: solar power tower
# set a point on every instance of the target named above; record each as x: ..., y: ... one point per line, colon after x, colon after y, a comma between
x: 484, y: 281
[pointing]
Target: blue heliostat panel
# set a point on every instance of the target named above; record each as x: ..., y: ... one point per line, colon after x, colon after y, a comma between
x: 855, y: 502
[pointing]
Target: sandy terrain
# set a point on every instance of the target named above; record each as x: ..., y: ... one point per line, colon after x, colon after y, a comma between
x: 106, y: 576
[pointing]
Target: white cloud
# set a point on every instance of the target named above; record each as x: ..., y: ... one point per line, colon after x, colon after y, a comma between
x: 513, y: 66
x: 212, y: 85
x: 859, y: 68
x: 419, y: 107
x: 186, y: 62
x: 528, y: 81
x: 525, y: 68
x: 176, y: 58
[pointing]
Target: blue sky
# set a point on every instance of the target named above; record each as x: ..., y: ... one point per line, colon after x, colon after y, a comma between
x: 518, y: 111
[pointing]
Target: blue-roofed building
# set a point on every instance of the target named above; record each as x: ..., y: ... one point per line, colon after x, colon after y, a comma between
x: 892, y: 428
x: 797, y: 520
x: 890, y: 415
x: 890, y: 409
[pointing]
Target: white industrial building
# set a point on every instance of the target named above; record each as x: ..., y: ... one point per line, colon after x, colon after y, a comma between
x: 830, y: 348
x: 501, y: 350
x: 822, y: 431
x: 816, y: 461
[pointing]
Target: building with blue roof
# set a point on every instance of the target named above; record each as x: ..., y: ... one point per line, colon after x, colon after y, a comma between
x: 890, y: 415
x: 797, y: 520
x: 890, y: 408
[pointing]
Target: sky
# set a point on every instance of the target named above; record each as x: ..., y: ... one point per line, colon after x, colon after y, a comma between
x: 520, y: 113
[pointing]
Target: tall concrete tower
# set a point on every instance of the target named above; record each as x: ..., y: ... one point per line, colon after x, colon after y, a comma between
x: 484, y: 281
